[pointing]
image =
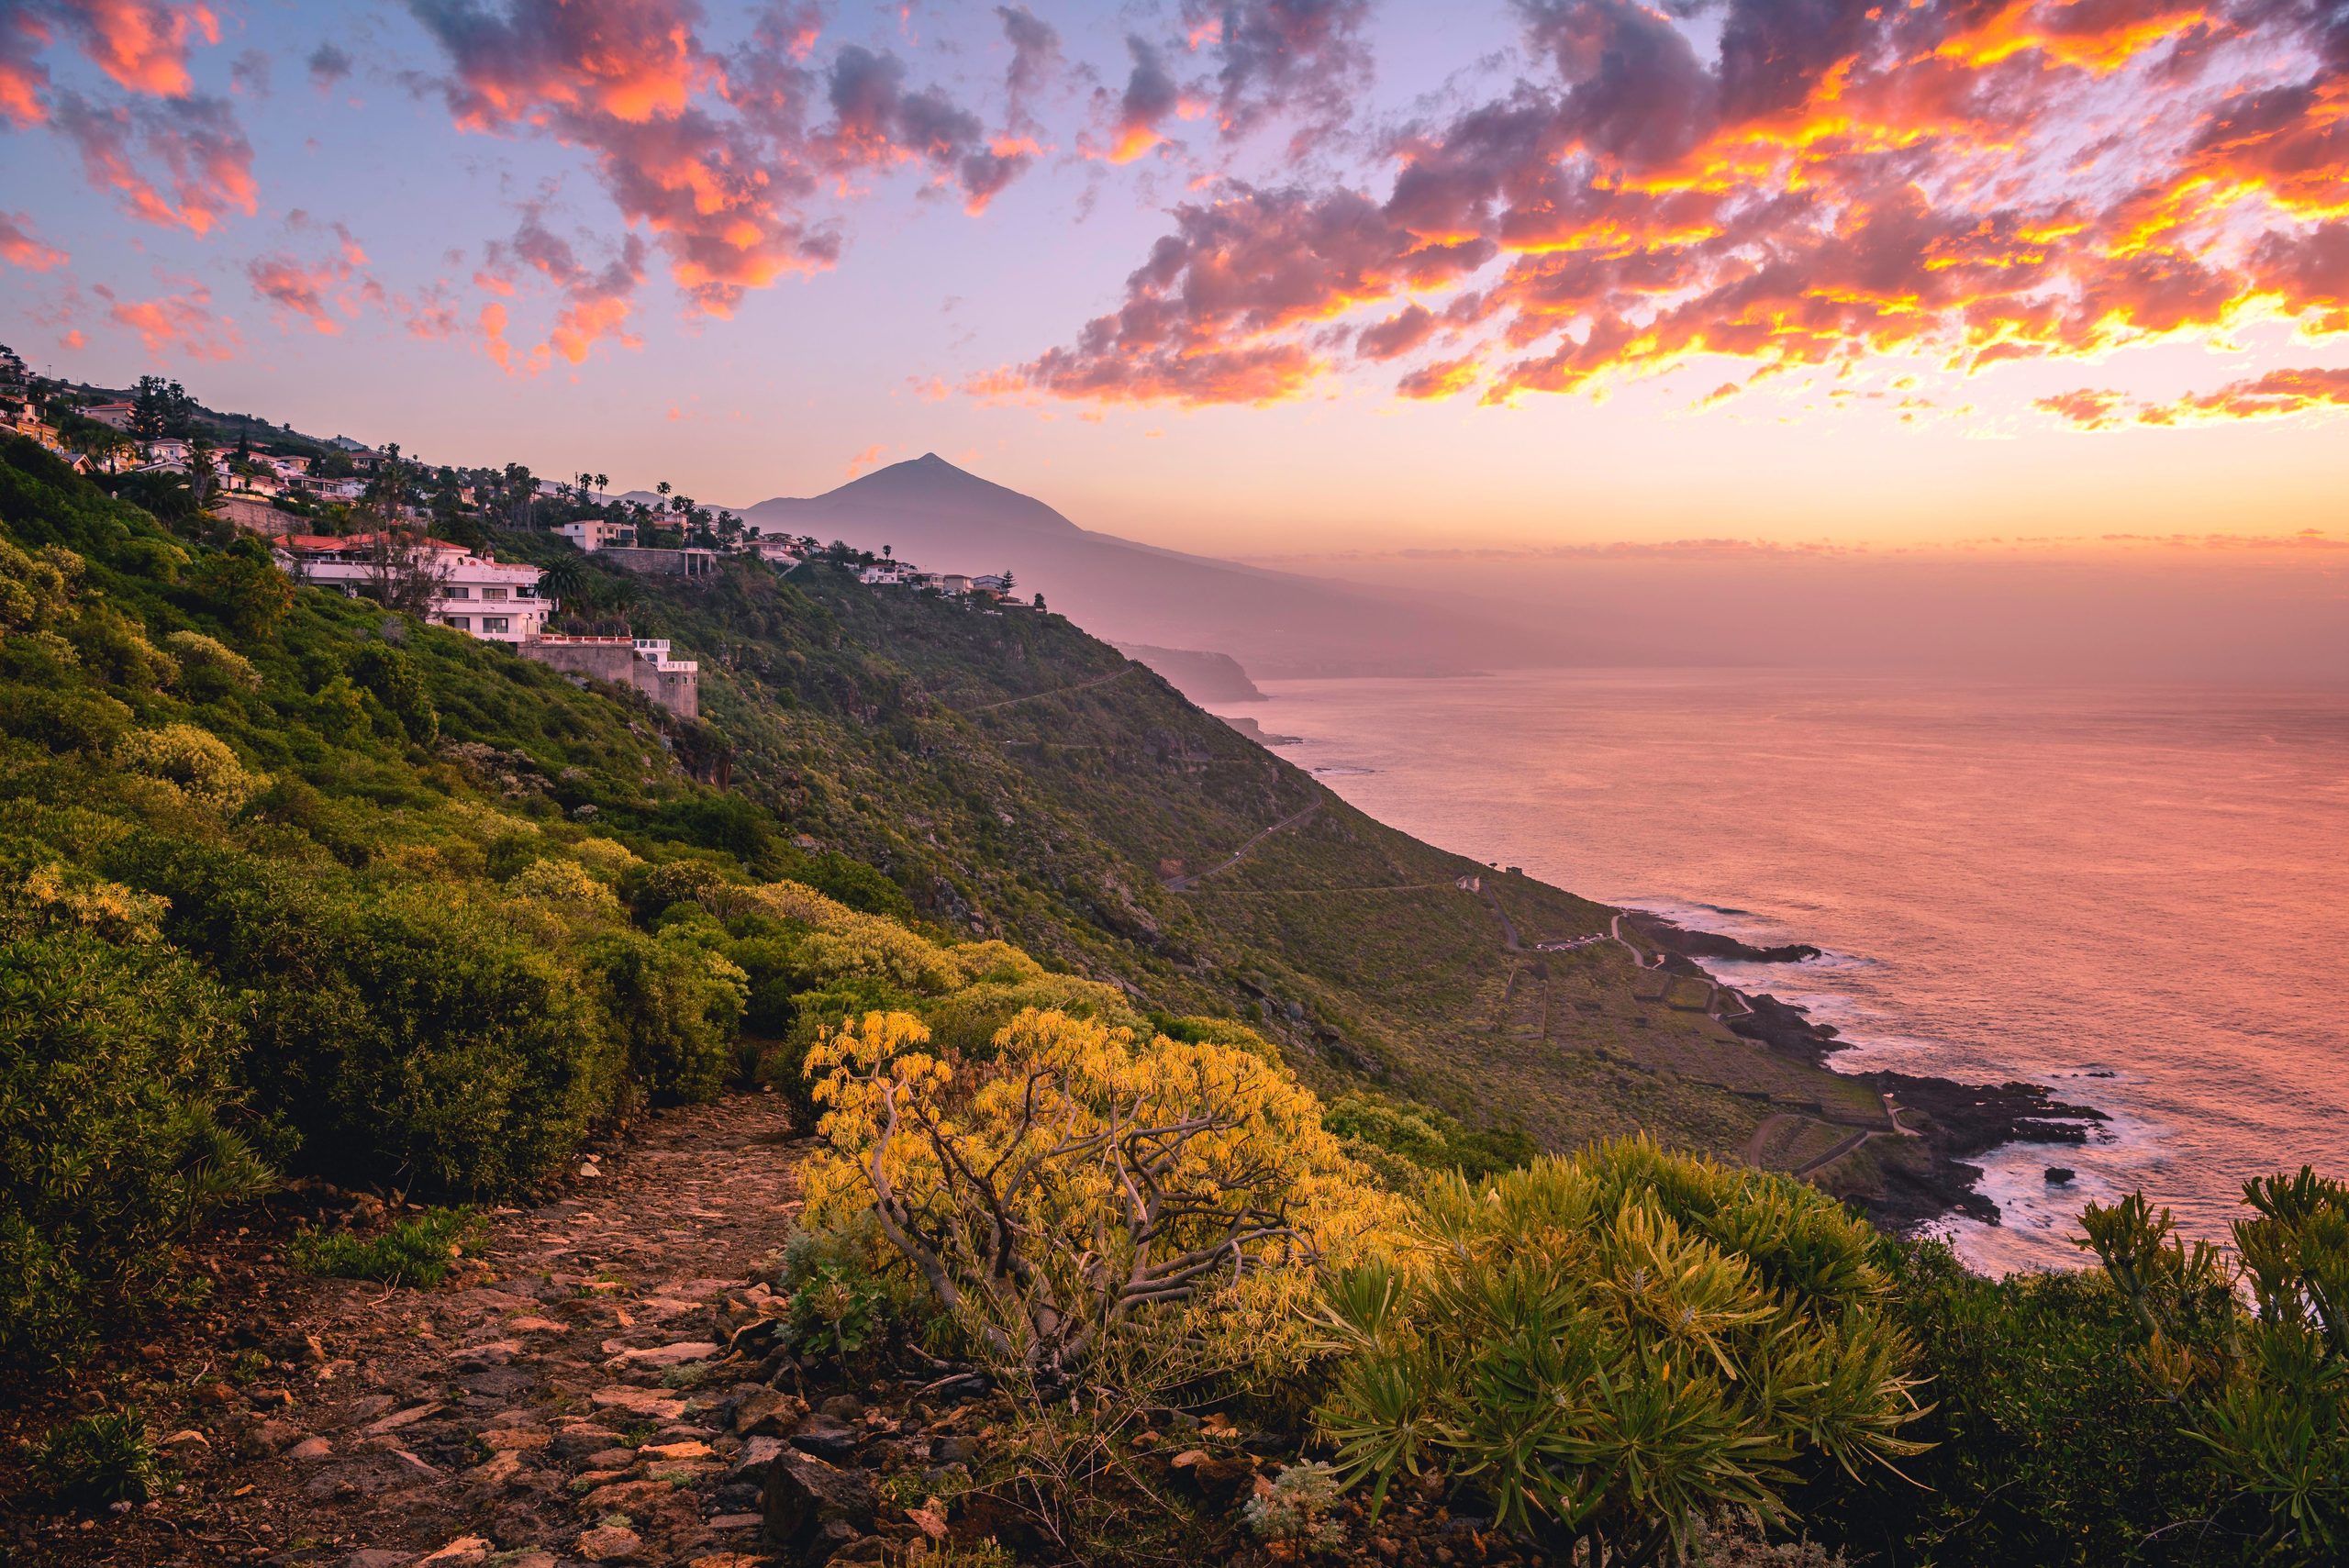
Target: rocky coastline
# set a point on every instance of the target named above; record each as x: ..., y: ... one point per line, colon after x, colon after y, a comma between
x: 1954, y: 1122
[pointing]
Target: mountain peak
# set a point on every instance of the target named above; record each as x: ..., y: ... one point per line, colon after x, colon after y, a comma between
x: 932, y: 488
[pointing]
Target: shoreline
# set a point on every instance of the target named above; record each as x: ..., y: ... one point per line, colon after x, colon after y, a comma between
x: 1952, y: 1120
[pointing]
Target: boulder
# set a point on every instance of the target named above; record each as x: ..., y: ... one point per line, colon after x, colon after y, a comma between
x: 810, y: 1503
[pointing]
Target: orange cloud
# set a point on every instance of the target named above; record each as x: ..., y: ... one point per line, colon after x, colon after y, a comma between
x: 18, y: 247
x: 23, y: 78
x: 1962, y: 183
x: 2277, y: 395
x: 865, y: 459
x: 183, y: 322
x: 320, y: 294
x: 710, y: 155
x: 142, y: 44
x: 206, y: 159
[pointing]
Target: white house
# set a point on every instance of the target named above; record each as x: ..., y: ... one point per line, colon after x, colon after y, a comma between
x: 492, y: 600
x: 595, y: 533
x: 115, y: 415
x: 883, y: 573
x: 778, y: 552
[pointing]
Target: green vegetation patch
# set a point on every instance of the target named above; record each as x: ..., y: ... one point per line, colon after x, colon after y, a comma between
x: 417, y: 1251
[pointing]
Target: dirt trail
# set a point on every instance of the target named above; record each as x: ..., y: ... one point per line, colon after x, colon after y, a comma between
x: 566, y: 1399
x: 1184, y: 883
x: 1057, y: 690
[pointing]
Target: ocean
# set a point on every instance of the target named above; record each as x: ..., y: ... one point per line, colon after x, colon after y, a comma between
x: 2138, y: 895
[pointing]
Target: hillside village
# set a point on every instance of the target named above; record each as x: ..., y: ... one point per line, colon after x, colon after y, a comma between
x: 384, y: 525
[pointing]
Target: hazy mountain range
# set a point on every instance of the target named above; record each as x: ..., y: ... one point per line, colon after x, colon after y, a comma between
x: 1277, y: 624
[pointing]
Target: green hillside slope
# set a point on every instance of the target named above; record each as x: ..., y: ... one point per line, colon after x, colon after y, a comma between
x: 1017, y: 777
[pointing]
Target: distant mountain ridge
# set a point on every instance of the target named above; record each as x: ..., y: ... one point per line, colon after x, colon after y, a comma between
x: 1276, y: 623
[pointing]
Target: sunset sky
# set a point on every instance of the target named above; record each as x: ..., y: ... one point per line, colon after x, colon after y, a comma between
x: 1274, y: 278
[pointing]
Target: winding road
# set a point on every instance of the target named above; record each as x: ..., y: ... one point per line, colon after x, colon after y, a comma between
x: 1184, y: 883
x: 1057, y: 690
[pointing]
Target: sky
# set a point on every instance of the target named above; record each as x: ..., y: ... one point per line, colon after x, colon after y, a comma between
x: 1307, y: 281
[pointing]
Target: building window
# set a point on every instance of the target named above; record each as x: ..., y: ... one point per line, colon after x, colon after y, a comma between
x: 462, y: 623
x: 493, y: 623
x: 458, y: 591
x: 492, y: 593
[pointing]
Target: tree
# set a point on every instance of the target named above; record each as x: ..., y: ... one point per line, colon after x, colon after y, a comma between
x: 151, y: 408
x: 14, y: 383
x: 1008, y: 581
x: 201, y: 477
x: 401, y: 570
x: 1608, y: 1347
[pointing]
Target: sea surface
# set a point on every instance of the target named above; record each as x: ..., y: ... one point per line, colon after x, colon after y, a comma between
x: 2138, y: 895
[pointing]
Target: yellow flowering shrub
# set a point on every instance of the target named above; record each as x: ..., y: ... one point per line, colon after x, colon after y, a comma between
x: 567, y: 883
x: 846, y: 944
x: 208, y: 666
x: 194, y: 762
x: 50, y: 896
x: 1080, y: 1178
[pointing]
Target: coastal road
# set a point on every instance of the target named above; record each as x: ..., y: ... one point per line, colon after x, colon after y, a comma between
x: 1057, y: 690
x: 1297, y: 819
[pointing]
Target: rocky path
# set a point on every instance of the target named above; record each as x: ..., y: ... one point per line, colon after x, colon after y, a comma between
x: 565, y: 1398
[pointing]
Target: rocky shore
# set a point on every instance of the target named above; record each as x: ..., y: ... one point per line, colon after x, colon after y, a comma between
x: 1954, y: 1121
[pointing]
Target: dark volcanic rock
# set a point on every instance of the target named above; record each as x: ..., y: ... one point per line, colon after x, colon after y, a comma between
x: 1961, y: 1120
x: 1782, y: 1025
x: 1673, y: 937
x: 2058, y: 1175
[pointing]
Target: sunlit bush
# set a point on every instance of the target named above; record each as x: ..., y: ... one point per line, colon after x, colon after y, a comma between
x: 195, y: 763
x: 1079, y: 1180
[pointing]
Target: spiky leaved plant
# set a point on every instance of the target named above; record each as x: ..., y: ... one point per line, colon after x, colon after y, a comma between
x: 1610, y: 1347
x: 2266, y: 1390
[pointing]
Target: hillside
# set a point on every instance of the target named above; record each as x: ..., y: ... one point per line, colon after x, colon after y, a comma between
x: 452, y: 1114
x: 1017, y: 777
x: 1276, y: 623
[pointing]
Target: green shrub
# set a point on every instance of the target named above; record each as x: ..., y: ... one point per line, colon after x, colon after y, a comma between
x: 675, y: 1007
x: 416, y: 1251
x: 210, y: 668
x: 112, y: 1060
x: 398, y: 685
x: 840, y: 1303
x: 1606, y: 1347
x: 2045, y: 1446
x: 99, y: 1459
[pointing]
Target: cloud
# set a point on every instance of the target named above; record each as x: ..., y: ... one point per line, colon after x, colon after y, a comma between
x: 142, y: 44
x: 21, y: 248
x: 710, y: 153
x: 1152, y: 98
x: 249, y: 73
x: 23, y: 78
x: 1035, y: 62
x: 1961, y: 183
x: 321, y: 295
x: 1303, y: 60
x: 329, y: 64
x: 596, y: 302
x: 1214, y: 315
x: 877, y: 123
x: 2277, y: 394
x: 182, y: 323
x: 206, y: 160
x: 865, y: 459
